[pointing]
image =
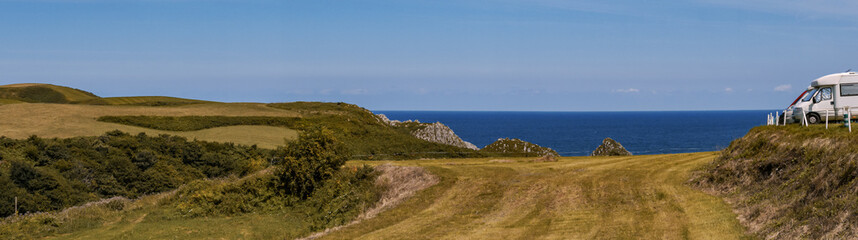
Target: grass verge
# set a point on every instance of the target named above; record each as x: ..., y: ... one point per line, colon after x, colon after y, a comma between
x: 790, y: 181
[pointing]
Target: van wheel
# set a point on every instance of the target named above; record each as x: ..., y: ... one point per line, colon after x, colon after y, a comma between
x: 813, y: 118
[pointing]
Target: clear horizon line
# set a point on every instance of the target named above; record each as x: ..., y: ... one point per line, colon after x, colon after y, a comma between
x: 707, y: 110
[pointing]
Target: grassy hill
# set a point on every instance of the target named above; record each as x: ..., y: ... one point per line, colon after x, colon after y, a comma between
x: 54, y: 111
x: 635, y: 197
x: 364, y: 134
x: 790, y: 182
x: 48, y: 93
x: 44, y: 93
x: 145, y: 101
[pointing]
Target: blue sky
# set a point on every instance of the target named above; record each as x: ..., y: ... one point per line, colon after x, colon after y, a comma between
x: 542, y: 55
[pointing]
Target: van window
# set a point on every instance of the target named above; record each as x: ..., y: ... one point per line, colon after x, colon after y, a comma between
x: 849, y: 89
x: 809, y: 95
x: 824, y: 94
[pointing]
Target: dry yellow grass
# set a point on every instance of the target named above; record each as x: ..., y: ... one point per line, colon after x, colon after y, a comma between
x: 70, y: 120
x: 20, y: 85
x: 635, y: 197
x: 148, y: 99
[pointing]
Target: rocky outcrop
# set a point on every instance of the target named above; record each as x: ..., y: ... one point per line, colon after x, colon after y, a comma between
x: 440, y: 133
x: 395, y: 123
x: 382, y: 118
x: 518, y: 147
x: 610, y: 147
x: 432, y: 132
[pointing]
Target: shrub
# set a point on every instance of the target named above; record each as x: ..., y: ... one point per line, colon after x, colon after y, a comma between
x: 315, y: 157
x: 52, y: 174
x: 309, y: 179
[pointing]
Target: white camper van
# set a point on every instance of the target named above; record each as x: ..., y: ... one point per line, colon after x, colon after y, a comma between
x: 827, y: 95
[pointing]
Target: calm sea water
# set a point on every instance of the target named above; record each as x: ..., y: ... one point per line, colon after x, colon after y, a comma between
x: 579, y: 133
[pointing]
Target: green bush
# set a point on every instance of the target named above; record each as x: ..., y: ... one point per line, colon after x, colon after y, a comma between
x: 52, y: 174
x: 342, y: 198
x: 323, y: 193
x: 333, y: 202
x: 311, y: 181
x: 315, y: 157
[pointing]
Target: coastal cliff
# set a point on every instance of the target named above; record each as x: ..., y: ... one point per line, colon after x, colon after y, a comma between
x: 440, y: 133
x: 432, y: 132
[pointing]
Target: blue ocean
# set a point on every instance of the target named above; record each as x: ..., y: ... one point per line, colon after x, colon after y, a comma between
x: 579, y: 133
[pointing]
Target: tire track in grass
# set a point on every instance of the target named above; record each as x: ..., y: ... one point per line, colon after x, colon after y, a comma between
x: 636, y: 197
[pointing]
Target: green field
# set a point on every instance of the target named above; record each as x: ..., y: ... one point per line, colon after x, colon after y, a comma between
x: 72, y: 120
x: 636, y: 197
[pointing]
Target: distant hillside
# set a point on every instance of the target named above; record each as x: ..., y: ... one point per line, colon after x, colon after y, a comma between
x: 790, y: 182
x: 47, y: 93
x: 364, y: 134
x: 265, y: 125
x: 19, y: 121
x: 44, y: 93
x: 145, y: 101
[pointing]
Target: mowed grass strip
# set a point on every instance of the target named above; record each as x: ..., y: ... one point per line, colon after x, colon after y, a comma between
x: 636, y: 197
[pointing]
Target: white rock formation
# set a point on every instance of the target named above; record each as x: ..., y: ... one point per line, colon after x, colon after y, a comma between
x: 440, y: 133
x: 433, y: 132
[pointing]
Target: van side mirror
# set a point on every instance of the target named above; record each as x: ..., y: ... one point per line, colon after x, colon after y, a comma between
x: 815, y: 101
